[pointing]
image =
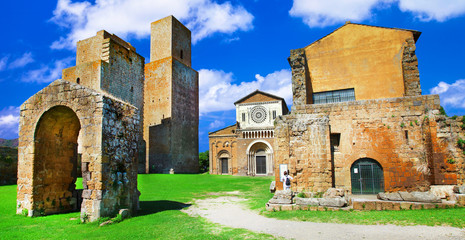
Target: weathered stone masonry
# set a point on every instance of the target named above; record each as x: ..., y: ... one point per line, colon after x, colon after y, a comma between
x: 50, y: 124
x: 388, y: 121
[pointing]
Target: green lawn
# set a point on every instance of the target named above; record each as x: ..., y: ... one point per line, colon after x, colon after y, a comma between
x: 164, y: 195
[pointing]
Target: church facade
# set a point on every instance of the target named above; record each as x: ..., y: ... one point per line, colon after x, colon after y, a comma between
x: 247, y: 147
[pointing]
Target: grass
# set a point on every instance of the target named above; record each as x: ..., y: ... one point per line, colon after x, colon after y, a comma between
x: 162, y: 197
x: 454, y: 217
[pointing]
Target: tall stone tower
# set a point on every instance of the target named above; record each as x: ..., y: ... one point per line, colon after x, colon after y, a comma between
x: 171, y: 100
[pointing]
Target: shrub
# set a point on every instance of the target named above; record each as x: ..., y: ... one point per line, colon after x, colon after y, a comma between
x: 301, y: 195
x: 25, y: 212
x: 451, y: 161
x: 442, y: 111
x: 204, y: 161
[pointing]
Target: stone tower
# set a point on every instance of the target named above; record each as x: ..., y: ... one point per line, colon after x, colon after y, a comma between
x: 171, y: 100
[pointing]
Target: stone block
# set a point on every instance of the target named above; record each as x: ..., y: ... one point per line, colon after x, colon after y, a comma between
x: 406, y: 196
x: 125, y: 213
x: 459, y: 189
x: 332, y: 202
x: 460, y: 199
x: 86, y: 193
x: 442, y: 191
x: 394, y: 196
x: 283, y: 194
x: 370, y: 205
x: 306, y: 201
x: 334, y: 192
x: 286, y: 207
x: 405, y: 205
x: 280, y: 201
x: 273, y: 186
x: 427, y: 197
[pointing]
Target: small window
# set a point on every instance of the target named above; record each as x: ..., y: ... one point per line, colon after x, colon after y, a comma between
x: 274, y: 114
x: 335, y: 139
x: 243, y: 117
x: 345, y: 95
x: 132, y: 89
x: 78, y: 80
x: 181, y: 54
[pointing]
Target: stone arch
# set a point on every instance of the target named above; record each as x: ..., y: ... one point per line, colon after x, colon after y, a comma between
x: 367, y: 176
x: 224, y: 162
x: 260, y: 158
x: 55, y: 161
x: 226, y: 144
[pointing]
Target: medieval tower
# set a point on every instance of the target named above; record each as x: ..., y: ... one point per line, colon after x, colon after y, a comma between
x: 171, y: 100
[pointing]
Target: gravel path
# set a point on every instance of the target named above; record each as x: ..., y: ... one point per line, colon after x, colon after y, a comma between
x: 230, y: 212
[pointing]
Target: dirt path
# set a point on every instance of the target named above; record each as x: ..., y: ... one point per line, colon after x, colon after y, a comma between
x: 230, y: 212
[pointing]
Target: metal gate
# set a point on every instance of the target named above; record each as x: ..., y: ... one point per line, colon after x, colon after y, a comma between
x: 367, y: 177
x: 224, y: 166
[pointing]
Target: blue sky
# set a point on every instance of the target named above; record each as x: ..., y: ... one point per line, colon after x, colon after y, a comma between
x: 238, y: 46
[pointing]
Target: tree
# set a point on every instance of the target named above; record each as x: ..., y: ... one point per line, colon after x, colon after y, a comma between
x: 204, y: 161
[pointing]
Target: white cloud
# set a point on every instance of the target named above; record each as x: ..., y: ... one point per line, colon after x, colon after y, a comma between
x: 427, y: 10
x: 9, y: 122
x: 46, y: 74
x: 3, y: 63
x: 216, y: 124
x: 316, y: 13
x: 217, y: 92
x: 22, y: 61
x: 451, y: 95
x: 132, y: 18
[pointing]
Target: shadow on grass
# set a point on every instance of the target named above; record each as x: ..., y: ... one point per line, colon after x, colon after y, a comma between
x: 151, y: 207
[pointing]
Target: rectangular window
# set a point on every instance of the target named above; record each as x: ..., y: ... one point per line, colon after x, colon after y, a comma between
x: 274, y: 114
x: 345, y: 95
x: 243, y: 117
x: 335, y: 139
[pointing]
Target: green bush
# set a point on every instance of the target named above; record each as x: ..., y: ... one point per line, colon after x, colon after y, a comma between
x: 442, y: 111
x: 301, y: 195
x: 204, y: 161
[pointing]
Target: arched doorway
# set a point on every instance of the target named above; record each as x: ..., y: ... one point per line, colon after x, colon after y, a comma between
x: 367, y: 177
x: 260, y: 158
x: 55, y: 161
x: 223, y: 158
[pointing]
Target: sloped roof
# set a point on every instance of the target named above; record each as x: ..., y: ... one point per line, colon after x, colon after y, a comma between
x: 258, y: 92
x: 224, y: 131
x: 416, y: 34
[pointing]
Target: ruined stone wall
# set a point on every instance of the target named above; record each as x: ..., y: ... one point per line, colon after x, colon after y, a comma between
x: 120, y: 135
x: 107, y: 128
x: 399, y: 133
x: 302, y: 142
x: 301, y: 84
x: 410, y: 69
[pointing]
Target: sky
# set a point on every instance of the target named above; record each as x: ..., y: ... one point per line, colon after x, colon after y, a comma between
x: 237, y: 46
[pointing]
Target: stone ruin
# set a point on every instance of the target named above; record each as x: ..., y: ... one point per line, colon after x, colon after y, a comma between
x: 92, y: 123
